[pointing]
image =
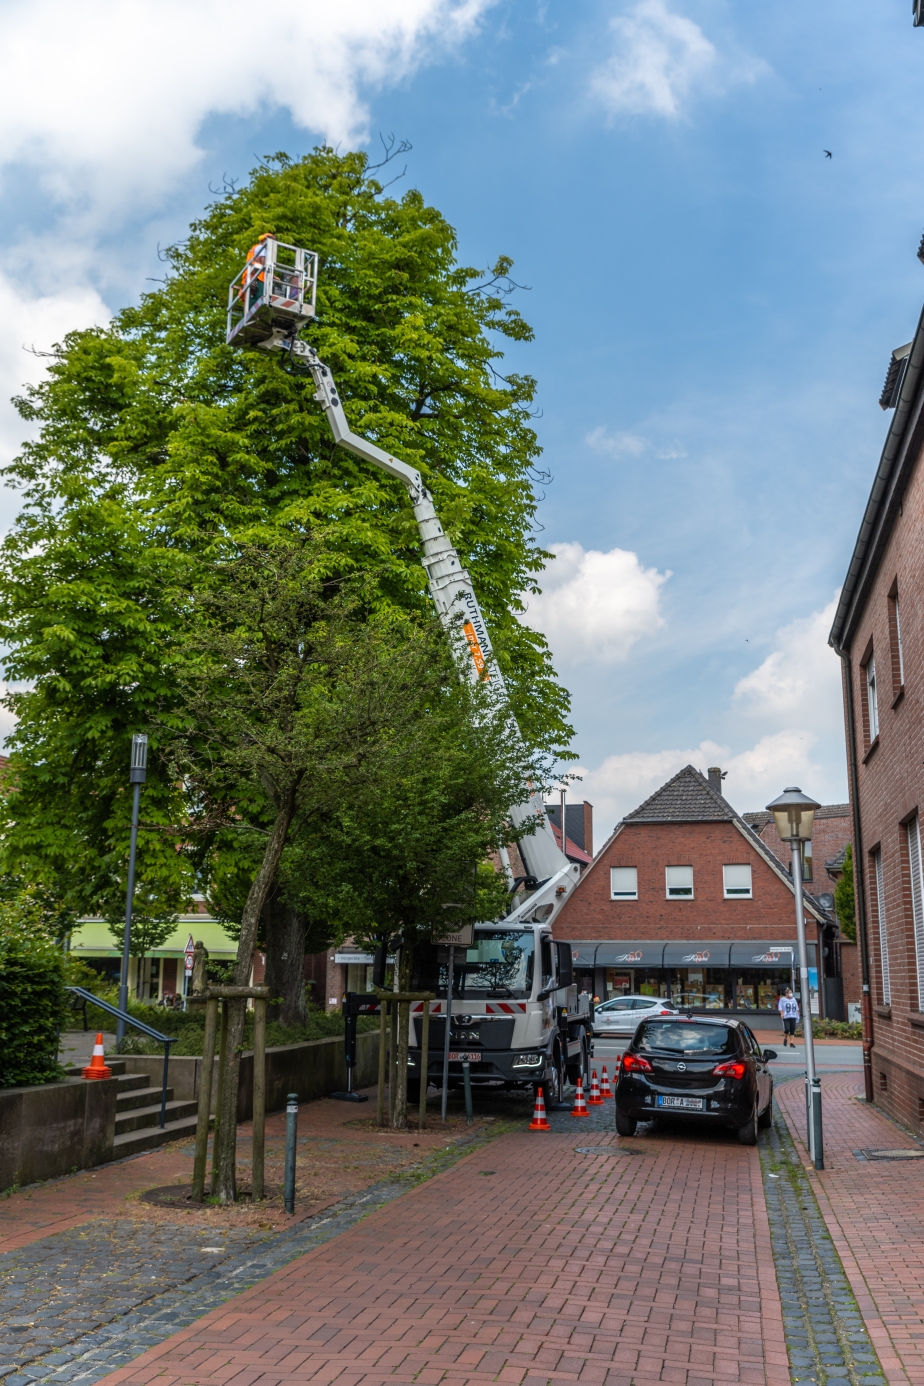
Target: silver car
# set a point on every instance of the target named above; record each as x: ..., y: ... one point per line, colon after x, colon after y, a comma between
x: 623, y: 1014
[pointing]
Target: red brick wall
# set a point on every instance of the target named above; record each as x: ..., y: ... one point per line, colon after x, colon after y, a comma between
x: 591, y: 914
x: 891, y: 790
x: 830, y: 835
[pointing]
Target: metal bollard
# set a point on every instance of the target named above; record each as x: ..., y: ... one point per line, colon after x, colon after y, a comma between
x: 818, y: 1154
x: 467, y: 1080
x: 291, y: 1140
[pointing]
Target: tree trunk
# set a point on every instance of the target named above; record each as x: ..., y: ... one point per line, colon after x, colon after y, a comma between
x: 405, y: 969
x: 284, y: 929
x: 226, y: 1151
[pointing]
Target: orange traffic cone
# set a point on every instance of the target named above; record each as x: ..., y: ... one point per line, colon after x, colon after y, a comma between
x: 594, y: 1100
x: 98, y: 1067
x: 605, y: 1089
x: 539, y: 1122
x: 580, y: 1106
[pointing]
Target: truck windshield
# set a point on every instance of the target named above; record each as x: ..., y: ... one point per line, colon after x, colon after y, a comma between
x: 499, y: 964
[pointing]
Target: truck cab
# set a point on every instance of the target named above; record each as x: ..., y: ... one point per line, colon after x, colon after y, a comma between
x: 516, y: 1016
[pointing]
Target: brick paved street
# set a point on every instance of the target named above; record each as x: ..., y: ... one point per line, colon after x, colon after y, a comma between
x: 526, y: 1262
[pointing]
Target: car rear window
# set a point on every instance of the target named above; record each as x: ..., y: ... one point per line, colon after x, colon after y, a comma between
x: 678, y: 1037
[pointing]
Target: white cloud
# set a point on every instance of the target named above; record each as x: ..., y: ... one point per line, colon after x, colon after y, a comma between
x: 595, y: 606
x: 755, y: 776
x: 624, y: 444
x: 101, y: 109
x: 799, y: 683
x: 105, y: 99
x: 660, y: 59
x: 791, y: 701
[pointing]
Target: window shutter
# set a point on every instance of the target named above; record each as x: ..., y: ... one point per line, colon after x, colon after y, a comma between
x: 737, y: 882
x: 624, y: 882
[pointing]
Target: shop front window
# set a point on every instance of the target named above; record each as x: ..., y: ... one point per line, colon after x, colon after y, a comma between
x: 759, y: 989
x: 617, y: 983
x: 702, y: 988
x: 650, y: 982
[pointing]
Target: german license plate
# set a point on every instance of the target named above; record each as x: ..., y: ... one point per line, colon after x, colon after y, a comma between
x: 472, y: 1058
x: 692, y: 1104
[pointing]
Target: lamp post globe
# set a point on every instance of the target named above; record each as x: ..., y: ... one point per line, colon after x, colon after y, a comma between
x: 794, y: 815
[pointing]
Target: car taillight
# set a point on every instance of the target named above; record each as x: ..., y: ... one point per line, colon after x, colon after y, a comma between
x: 736, y: 1069
x: 635, y: 1062
x: 665, y: 1012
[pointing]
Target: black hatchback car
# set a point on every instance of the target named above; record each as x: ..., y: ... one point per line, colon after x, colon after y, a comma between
x: 693, y: 1066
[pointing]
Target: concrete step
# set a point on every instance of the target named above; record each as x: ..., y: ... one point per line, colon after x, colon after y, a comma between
x: 143, y: 1117
x: 117, y: 1066
x: 141, y: 1095
x: 150, y: 1137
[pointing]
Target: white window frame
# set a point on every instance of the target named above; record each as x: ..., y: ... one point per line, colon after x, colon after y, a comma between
x: 738, y: 892
x: 898, y: 641
x: 872, y: 698
x: 917, y: 901
x: 883, y: 931
x: 623, y: 894
x: 678, y: 892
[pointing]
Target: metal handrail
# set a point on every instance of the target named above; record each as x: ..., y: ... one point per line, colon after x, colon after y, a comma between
x: 165, y: 1040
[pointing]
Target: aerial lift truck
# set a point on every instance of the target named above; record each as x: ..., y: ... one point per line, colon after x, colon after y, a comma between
x: 515, y: 1015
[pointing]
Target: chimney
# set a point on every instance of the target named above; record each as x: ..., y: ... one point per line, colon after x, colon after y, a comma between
x: 588, y: 828
x: 715, y: 778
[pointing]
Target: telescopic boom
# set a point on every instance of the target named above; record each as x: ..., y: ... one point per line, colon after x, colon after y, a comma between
x: 270, y: 323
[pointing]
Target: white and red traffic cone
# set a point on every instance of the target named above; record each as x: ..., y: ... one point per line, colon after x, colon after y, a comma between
x: 539, y: 1121
x: 580, y: 1104
x: 605, y: 1089
x: 97, y: 1068
x: 594, y: 1100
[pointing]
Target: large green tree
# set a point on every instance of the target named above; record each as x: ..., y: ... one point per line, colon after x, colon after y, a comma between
x: 154, y: 440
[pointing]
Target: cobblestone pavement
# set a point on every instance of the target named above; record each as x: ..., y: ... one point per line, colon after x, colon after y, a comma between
x: 825, y: 1336
x: 83, y: 1311
x: 874, y: 1212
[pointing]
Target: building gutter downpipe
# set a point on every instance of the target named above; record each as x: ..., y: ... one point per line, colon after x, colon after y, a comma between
x: 866, y: 1000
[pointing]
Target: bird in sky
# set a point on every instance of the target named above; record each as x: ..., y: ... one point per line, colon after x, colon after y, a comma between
x: 827, y: 153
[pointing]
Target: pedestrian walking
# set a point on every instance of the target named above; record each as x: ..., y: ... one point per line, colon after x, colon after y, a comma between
x: 788, y: 1008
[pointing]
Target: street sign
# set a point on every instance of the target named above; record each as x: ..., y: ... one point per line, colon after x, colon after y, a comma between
x: 462, y: 938
x: 190, y: 954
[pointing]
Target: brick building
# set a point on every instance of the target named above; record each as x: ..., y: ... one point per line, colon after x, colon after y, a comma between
x: 822, y: 867
x: 686, y: 901
x: 879, y: 633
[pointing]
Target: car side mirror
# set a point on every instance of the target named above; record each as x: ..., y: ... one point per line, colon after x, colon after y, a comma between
x: 769, y: 1053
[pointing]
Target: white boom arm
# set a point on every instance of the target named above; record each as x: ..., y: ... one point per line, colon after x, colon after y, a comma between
x: 459, y: 612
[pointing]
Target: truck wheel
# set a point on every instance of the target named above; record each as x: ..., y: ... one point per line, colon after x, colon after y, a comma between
x: 578, y: 1069
x: 625, y: 1126
x: 555, y: 1085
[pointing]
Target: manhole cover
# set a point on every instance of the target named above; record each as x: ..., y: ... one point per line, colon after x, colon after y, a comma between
x: 889, y: 1154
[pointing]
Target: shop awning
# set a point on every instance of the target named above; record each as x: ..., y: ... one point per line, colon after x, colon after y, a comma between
x: 583, y: 954
x: 625, y: 954
x: 91, y: 939
x: 703, y: 953
x: 760, y: 954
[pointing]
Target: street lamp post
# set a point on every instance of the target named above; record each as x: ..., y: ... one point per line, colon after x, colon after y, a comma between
x: 138, y: 773
x: 794, y: 813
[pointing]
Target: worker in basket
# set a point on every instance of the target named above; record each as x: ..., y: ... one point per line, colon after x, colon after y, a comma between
x: 254, y: 276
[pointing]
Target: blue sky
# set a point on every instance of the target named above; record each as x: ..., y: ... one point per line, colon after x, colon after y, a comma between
x: 714, y: 300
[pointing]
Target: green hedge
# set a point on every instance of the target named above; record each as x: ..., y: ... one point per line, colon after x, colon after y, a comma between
x: 31, y: 1004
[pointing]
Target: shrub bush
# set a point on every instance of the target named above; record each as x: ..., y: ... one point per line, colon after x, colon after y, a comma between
x: 31, y: 1004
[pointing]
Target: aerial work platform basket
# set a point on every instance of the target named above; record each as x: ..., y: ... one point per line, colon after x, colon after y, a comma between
x: 273, y: 296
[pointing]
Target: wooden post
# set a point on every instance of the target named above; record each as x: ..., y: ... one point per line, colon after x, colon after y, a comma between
x: 383, y: 1036
x: 205, y: 1100
x: 222, y: 1061
x: 424, y: 1053
x: 393, y: 1062
x: 259, y: 1097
